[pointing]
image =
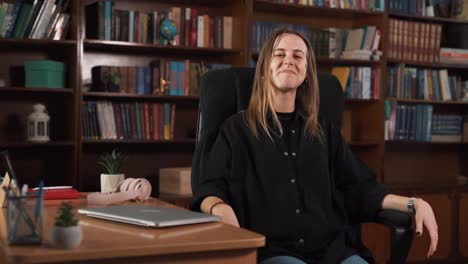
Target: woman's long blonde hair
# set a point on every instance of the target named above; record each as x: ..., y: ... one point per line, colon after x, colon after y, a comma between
x: 261, y: 101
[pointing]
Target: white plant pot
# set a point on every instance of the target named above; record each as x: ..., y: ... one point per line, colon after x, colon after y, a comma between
x: 66, y: 237
x: 109, y: 181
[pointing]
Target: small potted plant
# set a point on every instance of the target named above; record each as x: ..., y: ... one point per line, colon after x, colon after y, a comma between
x: 66, y: 233
x: 112, y: 163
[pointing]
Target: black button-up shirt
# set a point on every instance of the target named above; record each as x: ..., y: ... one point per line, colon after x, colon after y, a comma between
x: 302, y: 194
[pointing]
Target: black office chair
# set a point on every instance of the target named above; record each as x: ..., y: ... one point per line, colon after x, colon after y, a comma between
x: 226, y: 92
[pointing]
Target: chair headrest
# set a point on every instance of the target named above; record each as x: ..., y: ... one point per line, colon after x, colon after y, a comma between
x: 227, y: 91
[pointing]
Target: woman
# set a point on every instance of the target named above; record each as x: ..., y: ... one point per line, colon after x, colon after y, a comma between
x: 282, y: 171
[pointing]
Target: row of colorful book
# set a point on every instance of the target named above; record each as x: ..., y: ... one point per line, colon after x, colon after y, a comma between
x: 358, y: 43
x: 418, y: 122
x: 261, y: 30
x: 414, y: 41
x: 373, y: 5
x: 194, y: 29
x: 427, y: 84
x: 432, y: 8
x: 46, y: 19
x: 454, y: 56
x: 120, y: 121
x: 359, y: 82
x: 161, y: 77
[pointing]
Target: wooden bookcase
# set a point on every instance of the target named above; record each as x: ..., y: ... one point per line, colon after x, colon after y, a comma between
x: 145, y: 157
x: 55, y: 162
x: 429, y: 169
x: 418, y: 169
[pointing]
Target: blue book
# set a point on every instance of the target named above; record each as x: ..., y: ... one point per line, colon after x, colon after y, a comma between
x: 140, y: 80
x: 124, y: 121
x: 147, y: 80
x: 173, y: 78
x: 107, y: 19
x: 13, y: 19
x: 181, y: 78
x: 429, y: 111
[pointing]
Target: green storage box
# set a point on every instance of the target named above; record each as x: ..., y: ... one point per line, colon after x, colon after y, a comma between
x: 44, y: 74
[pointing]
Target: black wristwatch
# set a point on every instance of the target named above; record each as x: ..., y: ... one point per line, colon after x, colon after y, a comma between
x: 410, y: 205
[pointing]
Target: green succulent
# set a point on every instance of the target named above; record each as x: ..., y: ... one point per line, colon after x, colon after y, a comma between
x: 65, y: 216
x: 112, y: 162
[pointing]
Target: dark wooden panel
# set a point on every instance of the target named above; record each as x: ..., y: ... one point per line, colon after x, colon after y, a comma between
x: 53, y: 164
x: 421, y: 165
x: 463, y: 228
x: 14, y: 113
x: 377, y: 239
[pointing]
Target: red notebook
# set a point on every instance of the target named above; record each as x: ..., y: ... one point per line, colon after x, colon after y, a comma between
x: 58, y: 194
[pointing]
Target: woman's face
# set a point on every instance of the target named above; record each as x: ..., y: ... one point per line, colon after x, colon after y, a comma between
x: 288, y: 64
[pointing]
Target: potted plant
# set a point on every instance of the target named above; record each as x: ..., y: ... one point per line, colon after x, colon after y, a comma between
x: 66, y: 233
x: 112, y: 163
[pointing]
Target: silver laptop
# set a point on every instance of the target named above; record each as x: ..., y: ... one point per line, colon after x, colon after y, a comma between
x: 148, y: 215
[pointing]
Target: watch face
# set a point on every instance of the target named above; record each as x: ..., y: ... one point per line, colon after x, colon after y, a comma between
x: 411, y: 206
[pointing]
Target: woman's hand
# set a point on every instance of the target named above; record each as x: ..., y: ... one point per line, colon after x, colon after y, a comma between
x: 226, y: 213
x: 425, y: 216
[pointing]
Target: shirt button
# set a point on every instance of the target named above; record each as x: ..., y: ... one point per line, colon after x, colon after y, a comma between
x: 286, y: 154
x: 293, y: 131
x: 298, y: 211
x: 294, y: 154
x: 293, y: 180
x: 301, y: 240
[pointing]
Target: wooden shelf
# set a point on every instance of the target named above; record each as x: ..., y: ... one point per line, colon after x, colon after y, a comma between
x: 28, y: 43
x: 363, y: 143
x: 435, y: 102
x: 432, y: 65
x: 209, y: 3
x: 427, y: 19
x: 123, y: 46
x: 412, y: 143
x: 337, y: 61
x: 360, y: 101
x: 37, y: 145
x: 306, y: 10
x: 66, y: 91
x: 108, y: 95
x: 423, y: 187
x: 138, y: 141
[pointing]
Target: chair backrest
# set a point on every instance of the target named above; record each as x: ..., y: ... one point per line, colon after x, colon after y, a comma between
x: 226, y: 92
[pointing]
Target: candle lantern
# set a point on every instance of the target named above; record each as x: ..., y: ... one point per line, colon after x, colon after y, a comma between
x: 38, y: 124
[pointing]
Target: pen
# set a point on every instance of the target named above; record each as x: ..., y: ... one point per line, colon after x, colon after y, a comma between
x: 40, y: 193
x: 53, y: 188
x: 14, y: 187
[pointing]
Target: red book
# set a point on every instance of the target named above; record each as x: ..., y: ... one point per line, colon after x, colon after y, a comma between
x: 58, y: 194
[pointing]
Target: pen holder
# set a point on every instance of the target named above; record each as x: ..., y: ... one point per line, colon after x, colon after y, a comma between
x: 25, y: 219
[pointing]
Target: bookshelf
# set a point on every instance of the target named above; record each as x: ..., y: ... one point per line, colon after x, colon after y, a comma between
x: 430, y: 169
x: 55, y: 161
x: 423, y: 169
x: 146, y: 156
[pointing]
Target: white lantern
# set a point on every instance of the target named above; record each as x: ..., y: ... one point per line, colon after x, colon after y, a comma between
x: 38, y: 124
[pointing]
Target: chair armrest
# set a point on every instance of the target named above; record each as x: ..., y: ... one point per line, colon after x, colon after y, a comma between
x: 401, y: 228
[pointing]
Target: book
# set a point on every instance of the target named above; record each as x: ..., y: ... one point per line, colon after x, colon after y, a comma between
x: 342, y: 73
x: 59, y: 194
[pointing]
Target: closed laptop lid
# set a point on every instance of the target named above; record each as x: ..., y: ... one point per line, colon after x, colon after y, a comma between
x: 148, y: 215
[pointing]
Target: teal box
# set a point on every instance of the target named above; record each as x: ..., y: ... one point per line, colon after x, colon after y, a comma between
x: 44, y: 74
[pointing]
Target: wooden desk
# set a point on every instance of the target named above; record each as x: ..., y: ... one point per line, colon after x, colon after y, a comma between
x: 112, y: 242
